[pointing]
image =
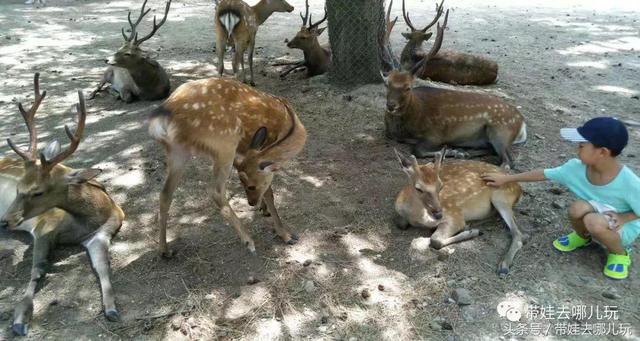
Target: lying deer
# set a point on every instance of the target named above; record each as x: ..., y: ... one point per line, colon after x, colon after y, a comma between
x: 237, y: 23
x: 235, y: 125
x: 57, y: 205
x: 445, y: 196
x: 446, y: 66
x: 316, y: 58
x: 431, y: 117
x: 133, y: 73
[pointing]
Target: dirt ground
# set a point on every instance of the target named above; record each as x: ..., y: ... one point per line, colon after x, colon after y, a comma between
x: 561, y: 62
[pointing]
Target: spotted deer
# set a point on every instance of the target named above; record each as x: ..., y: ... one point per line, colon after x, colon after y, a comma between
x: 234, y: 125
x: 431, y: 117
x: 446, y: 66
x: 133, y: 73
x: 445, y: 196
x: 317, y: 58
x: 237, y: 23
x: 57, y: 205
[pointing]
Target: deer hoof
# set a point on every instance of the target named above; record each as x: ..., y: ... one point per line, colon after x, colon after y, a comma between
x: 20, y: 329
x: 167, y: 254
x: 503, y: 269
x: 292, y: 241
x: 295, y: 236
x: 112, y: 315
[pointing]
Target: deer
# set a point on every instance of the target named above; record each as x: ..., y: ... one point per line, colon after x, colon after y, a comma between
x: 57, y: 205
x: 445, y: 196
x: 430, y: 117
x: 236, y: 126
x: 237, y: 23
x: 317, y: 58
x: 132, y: 72
x: 446, y: 66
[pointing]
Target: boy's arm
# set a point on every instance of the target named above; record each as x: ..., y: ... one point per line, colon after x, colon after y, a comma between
x: 499, y: 179
x: 620, y: 219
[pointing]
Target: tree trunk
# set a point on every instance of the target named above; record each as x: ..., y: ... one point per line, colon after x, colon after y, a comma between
x: 356, y: 34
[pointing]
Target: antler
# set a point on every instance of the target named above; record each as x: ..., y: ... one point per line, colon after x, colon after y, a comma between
x: 407, y: 20
x: 436, y: 45
x: 28, y: 120
x: 314, y: 25
x: 133, y: 34
x: 306, y: 14
x: 47, y: 165
x: 390, y: 23
x: 155, y: 27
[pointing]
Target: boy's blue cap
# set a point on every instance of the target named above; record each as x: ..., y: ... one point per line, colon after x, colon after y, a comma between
x: 605, y: 132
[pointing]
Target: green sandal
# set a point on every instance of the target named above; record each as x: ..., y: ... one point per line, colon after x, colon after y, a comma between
x: 617, y: 266
x: 570, y: 242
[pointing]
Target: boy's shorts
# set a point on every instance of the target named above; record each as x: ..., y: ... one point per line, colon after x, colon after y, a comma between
x: 627, y: 235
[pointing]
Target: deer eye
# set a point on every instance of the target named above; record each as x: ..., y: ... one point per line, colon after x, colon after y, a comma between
x: 251, y: 188
x: 37, y: 194
x: 419, y: 190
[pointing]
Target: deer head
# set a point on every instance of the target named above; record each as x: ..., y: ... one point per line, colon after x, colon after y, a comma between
x: 277, y: 6
x: 399, y: 83
x: 307, y: 37
x: 418, y: 36
x: 130, y: 54
x: 45, y: 183
x: 425, y: 181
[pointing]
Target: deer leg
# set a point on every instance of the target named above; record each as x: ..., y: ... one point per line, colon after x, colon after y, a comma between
x: 220, y: 48
x: 251, y: 49
x: 501, y: 145
x: 107, y: 77
x: 176, y: 161
x: 280, y: 229
x: 503, y: 204
x: 221, y: 170
x: 24, y: 310
x: 98, y: 249
x: 264, y: 210
x: 451, y: 231
x: 400, y: 221
x: 424, y: 148
x: 295, y: 66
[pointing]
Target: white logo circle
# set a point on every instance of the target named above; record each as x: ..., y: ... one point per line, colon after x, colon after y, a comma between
x: 510, y: 310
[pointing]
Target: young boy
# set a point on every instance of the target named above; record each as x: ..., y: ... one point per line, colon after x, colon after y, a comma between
x: 608, y: 192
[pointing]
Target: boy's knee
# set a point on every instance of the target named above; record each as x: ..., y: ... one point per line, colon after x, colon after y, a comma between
x: 579, y: 209
x: 595, y: 223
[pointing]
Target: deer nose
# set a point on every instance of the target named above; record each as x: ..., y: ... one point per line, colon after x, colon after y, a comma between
x: 437, y: 215
x: 391, y: 107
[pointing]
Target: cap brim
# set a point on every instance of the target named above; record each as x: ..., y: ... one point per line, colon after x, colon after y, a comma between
x: 572, y: 134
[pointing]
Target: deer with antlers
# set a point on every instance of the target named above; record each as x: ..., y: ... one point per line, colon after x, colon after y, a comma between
x: 446, y: 66
x: 317, y: 58
x: 431, y: 117
x: 234, y: 125
x: 133, y: 73
x: 445, y: 196
x: 237, y: 23
x: 57, y: 205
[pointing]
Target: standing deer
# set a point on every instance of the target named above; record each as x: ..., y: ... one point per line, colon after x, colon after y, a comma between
x: 431, y: 117
x: 235, y: 125
x: 446, y: 66
x: 445, y: 196
x: 57, y: 205
x: 132, y: 73
x: 237, y: 23
x: 316, y: 58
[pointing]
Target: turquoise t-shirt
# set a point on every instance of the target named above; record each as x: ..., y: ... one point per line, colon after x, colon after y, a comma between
x: 622, y: 193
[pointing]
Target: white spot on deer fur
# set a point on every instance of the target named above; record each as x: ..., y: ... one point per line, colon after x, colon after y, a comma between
x: 196, y: 106
x: 196, y: 122
x: 185, y: 106
x: 204, y: 90
x: 211, y: 127
x: 210, y: 103
x: 219, y: 86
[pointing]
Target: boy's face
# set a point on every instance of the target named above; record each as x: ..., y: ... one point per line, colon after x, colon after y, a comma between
x: 590, y: 154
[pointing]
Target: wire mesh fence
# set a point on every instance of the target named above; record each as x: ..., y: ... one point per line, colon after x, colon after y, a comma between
x: 356, y: 31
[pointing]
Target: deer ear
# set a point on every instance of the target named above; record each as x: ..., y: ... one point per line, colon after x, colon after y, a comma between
x: 258, y: 138
x: 427, y: 36
x: 51, y: 150
x: 320, y: 30
x: 82, y: 175
x: 408, y: 164
x: 269, y: 166
x: 406, y: 35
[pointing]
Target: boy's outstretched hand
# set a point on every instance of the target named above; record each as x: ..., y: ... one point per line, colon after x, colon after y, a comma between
x: 494, y: 179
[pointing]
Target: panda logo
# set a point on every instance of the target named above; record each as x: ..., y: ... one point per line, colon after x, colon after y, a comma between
x: 510, y: 310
